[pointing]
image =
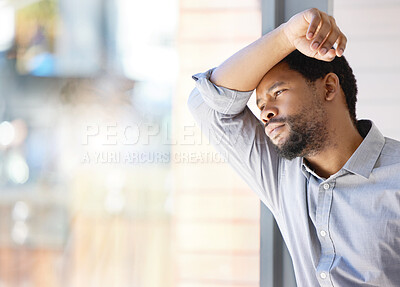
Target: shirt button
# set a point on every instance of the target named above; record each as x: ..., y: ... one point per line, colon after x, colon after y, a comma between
x: 323, y: 233
x: 326, y: 186
x: 323, y: 275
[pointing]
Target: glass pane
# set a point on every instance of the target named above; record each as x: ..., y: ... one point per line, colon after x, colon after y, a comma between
x: 105, y: 179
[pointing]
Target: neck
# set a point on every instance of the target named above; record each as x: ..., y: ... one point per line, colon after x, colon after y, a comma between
x: 343, y: 142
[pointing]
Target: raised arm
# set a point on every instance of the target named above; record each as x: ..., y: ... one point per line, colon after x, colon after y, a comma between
x: 312, y: 32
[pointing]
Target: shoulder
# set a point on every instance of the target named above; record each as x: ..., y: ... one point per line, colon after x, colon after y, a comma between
x: 390, y: 154
x: 391, y: 148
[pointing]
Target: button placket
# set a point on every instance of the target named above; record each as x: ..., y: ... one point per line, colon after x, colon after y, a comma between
x: 327, y: 248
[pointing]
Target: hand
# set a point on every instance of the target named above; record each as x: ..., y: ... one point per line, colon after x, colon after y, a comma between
x: 314, y: 33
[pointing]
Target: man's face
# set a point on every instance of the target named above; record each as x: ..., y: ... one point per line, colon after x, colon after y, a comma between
x: 293, y: 112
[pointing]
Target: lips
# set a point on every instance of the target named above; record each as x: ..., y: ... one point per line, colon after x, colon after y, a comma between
x: 273, y: 129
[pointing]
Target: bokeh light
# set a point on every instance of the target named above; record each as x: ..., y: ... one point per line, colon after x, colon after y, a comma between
x: 7, y: 133
x: 17, y: 168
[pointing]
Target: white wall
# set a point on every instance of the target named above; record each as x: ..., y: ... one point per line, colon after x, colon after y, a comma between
x: 373, y: 50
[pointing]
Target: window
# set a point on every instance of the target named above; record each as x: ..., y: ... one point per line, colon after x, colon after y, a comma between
x: 105, y: 178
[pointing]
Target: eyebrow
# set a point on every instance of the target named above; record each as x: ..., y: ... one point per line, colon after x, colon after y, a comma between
x: 274, y: 86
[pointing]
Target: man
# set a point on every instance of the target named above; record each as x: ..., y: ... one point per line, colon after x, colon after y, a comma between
x: 331, y: 182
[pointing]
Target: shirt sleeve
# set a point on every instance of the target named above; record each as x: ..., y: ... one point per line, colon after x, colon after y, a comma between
x: 234, y: 131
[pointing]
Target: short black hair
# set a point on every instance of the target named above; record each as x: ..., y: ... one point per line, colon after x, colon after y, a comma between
x: 312, y: 69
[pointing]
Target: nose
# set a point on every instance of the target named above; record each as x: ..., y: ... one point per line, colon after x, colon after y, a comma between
x: 268, y: 113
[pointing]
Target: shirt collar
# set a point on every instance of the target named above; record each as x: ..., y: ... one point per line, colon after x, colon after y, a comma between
x: 364, y: 158
x: 306, y: 170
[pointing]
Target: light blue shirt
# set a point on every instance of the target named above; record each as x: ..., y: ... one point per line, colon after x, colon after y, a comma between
x: 340, y: 231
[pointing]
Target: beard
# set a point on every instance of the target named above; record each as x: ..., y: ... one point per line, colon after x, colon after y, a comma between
x: 307, y: 133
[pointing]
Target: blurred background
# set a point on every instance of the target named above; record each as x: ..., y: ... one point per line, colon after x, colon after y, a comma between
x: 105, y: 179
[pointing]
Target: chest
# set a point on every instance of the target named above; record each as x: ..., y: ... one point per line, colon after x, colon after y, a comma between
x: 350, y: 224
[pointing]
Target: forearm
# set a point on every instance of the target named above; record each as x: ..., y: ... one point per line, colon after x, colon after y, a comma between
x: 245, y: 69
x: 312, y: 32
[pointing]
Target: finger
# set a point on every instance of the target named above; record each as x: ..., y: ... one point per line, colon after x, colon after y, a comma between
x: 324, y: 30
x: 330, y: 40
x: 313, y: 17
x: 341, y: 45
x: 331, y: 54
x: 328, y: 57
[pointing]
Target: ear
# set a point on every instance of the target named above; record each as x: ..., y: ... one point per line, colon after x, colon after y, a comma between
x: 332, y: 86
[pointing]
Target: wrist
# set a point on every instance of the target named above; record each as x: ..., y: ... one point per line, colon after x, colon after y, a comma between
x: 286, y: 43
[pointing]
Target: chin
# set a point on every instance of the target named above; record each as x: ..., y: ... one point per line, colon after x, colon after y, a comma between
x: 289, y: 149
x: 279, y: 141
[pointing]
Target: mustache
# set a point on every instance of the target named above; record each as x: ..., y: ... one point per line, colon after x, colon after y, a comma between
x: 276, y: 120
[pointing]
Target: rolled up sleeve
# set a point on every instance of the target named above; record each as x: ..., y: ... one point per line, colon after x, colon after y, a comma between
x: 220, y: 99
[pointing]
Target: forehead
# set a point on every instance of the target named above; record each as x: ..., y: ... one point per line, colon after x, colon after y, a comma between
x: 279, y: 73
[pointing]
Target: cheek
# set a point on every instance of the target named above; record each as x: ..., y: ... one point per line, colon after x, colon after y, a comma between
x: 290, y: 106
x: 301, y: 100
